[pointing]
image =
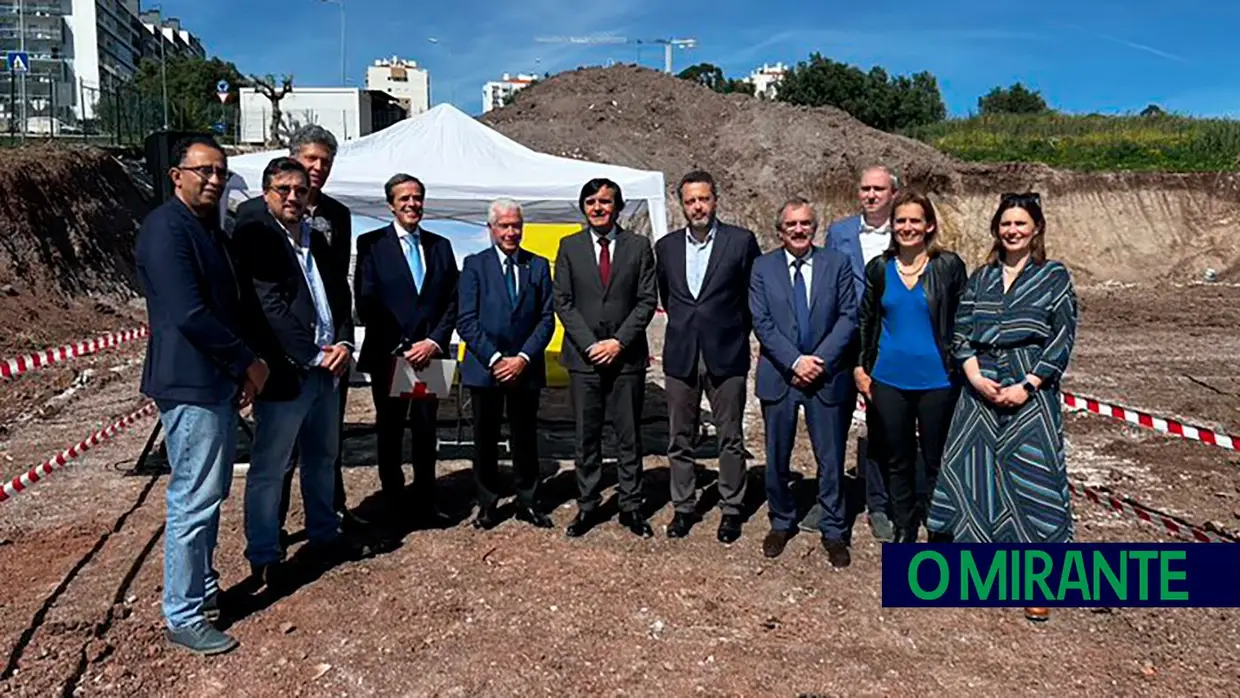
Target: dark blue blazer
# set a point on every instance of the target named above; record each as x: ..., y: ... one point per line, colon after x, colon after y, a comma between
x: 844, y: 236
x: 716, y: 324
x: 196, y: 353
x: 833, y: 316
x: 391, y: 311
x: 488, y: 322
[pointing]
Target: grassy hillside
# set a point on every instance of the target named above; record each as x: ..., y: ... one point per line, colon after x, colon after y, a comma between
x: 1092, y: 143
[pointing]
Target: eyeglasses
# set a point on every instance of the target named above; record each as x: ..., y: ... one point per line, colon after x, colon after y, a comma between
x: 285, y: 189
x: 206, y: 171
x: 1031, y: 197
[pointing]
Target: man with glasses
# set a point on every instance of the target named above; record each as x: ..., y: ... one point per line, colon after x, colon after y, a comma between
x: 199, y: 371
x: 301, y: 323
x: 804, y: 304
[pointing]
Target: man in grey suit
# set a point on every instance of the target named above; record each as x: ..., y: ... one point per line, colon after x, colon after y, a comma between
x: 605, y: 296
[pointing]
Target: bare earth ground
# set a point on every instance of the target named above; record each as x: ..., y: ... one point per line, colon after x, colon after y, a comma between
x: 524, y: 611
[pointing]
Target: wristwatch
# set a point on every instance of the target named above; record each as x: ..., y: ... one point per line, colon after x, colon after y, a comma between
x: 1028, y: 387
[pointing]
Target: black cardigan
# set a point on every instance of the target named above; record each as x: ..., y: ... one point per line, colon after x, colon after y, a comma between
x: 943, y: 280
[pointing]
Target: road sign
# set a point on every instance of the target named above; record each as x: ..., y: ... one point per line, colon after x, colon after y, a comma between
x: 221, y: 90
x: 218, y: 127
x: 18, y: 61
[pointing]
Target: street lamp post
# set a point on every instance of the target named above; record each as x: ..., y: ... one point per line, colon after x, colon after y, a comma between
x: 163, y: 59
x: 343, y: 69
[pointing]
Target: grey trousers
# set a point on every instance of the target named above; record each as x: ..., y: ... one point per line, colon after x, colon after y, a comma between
x: 684, y: 408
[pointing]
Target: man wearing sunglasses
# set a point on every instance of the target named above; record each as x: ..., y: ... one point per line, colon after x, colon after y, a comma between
x: 198, y: 370
x: 301, y: 322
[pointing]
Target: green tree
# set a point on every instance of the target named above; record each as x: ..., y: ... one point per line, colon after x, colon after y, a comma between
x: 1016, y: 99
x: 874, y: 98
x: 1152, y: 111
x: 711, y: 76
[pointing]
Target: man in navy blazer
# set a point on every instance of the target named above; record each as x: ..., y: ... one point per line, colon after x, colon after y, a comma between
x: 199, y: 369
x: 506, y: 316
x: 405, y: 289
x: 703, y: 278
x: 861, y: 238
x: 804, y: 306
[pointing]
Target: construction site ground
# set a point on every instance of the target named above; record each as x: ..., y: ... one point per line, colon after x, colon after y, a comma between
x: 524, y: 611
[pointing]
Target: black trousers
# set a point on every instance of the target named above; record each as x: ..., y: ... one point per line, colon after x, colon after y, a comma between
x: 339, y: 501
x: 488, y: 408
x: 392, y: 416
x: 595, y: 395
x: 904, y: 419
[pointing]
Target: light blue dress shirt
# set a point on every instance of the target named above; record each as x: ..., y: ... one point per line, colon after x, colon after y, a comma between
x: 697, y: 256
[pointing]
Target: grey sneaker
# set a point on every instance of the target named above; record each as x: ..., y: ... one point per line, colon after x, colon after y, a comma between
x: 211, y: 607
x: 881, y: 527
x: 809, y: 524
x: 201, y: 638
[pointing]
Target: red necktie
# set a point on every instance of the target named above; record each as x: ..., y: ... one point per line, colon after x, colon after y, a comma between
x: 604, y: 261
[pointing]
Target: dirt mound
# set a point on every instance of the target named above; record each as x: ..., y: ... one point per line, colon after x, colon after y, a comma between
x: 761, y: 152
x: 1127, y: 227
x: 69, y: 218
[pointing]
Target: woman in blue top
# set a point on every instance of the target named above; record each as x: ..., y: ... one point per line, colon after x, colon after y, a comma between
x: 1004, y: 477
x: 906, y: 374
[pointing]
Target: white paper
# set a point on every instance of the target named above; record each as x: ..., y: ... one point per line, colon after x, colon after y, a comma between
x: 433, y: 381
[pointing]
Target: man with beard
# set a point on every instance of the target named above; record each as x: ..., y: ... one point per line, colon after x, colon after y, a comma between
x: 198, y: 370
x: 605, y: 296
x: 703, y: 277
x: 804, y: 305
x: 861, y: 238
x: 406, y: 290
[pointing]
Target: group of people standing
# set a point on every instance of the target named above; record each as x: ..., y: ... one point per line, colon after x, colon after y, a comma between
x: 959, y: 372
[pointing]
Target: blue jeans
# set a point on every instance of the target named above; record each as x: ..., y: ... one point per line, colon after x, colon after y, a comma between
x: 201, y: 440
x: 311, y: 422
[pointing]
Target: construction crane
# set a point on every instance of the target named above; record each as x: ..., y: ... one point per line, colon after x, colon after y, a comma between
x: 668, y: 44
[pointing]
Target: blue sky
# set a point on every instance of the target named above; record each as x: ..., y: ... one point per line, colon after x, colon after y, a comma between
x: 1084, y: 55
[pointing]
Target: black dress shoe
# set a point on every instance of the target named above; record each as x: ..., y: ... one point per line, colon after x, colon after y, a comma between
x: 729, y: 528
x: 837, y: 552
x: 775, y: 542
x: 351, y: 522
x: 635, y: 523
x: 533, y: 517
x: 581, y: 524
x: 680, y: 525
x: 905, y: 535
x: 487, y: 519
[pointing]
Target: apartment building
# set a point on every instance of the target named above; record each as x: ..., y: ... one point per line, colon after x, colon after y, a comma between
x: 404, y: 80
x: 496, y: 92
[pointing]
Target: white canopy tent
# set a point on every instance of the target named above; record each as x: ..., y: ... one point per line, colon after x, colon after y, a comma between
x: 465, y: 165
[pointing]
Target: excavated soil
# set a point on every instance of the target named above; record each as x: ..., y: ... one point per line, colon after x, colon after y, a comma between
x: 1131, y: 227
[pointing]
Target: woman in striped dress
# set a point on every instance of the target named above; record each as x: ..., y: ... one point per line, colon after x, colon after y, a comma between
x: 1004, y: 479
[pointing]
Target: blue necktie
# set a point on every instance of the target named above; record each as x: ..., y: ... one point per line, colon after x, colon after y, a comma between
x: 800, y: 302
x: 413, y: 256
x: 510, y: 279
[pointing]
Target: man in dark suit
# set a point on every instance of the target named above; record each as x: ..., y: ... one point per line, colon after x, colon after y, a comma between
x: 405, y: 287
x: 315, y: 148
x: 605, y: 296
x: 703, y: 277
x: 506, y: 318
x: 199, y: 370
x: 804, y: 304
x: 301, y: 323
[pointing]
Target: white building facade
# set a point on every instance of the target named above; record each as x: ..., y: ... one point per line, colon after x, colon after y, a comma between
x: 765, y: 80
x: 404, y: 80
x: 496, y: 92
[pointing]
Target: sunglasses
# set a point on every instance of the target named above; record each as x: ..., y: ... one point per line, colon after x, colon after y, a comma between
x: 285, y: 189
x: 206, y: 171
x: 1031, y: 197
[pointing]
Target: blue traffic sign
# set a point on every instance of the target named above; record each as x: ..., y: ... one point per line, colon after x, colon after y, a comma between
x: 19, y: 61
x: 221, y: 86
x: 218, y: 127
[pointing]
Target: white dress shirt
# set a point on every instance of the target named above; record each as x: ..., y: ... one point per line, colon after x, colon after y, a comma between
x: 874, y: 240
x: 402, y: 236
x: 516, y: 270
x: 598, y: 249
x: 807, y: 271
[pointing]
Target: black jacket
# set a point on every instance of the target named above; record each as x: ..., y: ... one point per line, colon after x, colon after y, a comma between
x: 716, y: 324
x: 943, y: 280
x: 281, y: 315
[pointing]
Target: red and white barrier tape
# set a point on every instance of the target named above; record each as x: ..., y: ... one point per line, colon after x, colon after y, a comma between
x: 20, y: 483
x: 1131, y: 509
x: 13, y: 368
x: 1164, y: 425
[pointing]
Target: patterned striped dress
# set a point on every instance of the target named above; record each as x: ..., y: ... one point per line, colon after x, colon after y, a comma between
x: 1004, y: 479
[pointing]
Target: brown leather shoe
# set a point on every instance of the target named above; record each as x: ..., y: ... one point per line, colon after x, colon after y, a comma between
x: 1037, y: 615
x: 775, y: 542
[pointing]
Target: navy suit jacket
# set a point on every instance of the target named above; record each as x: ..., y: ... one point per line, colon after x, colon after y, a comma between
x: 844, y: 236
x: 281, y: 316
x: 716, y: 324
x: 391, y: 310
x: 196, y: 353
x: 488, y: 322
x: 833, y: 316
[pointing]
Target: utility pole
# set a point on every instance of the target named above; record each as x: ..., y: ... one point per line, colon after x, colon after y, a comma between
x: 344, y: 73
x: 21, y: 32
x: 163, y: 57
